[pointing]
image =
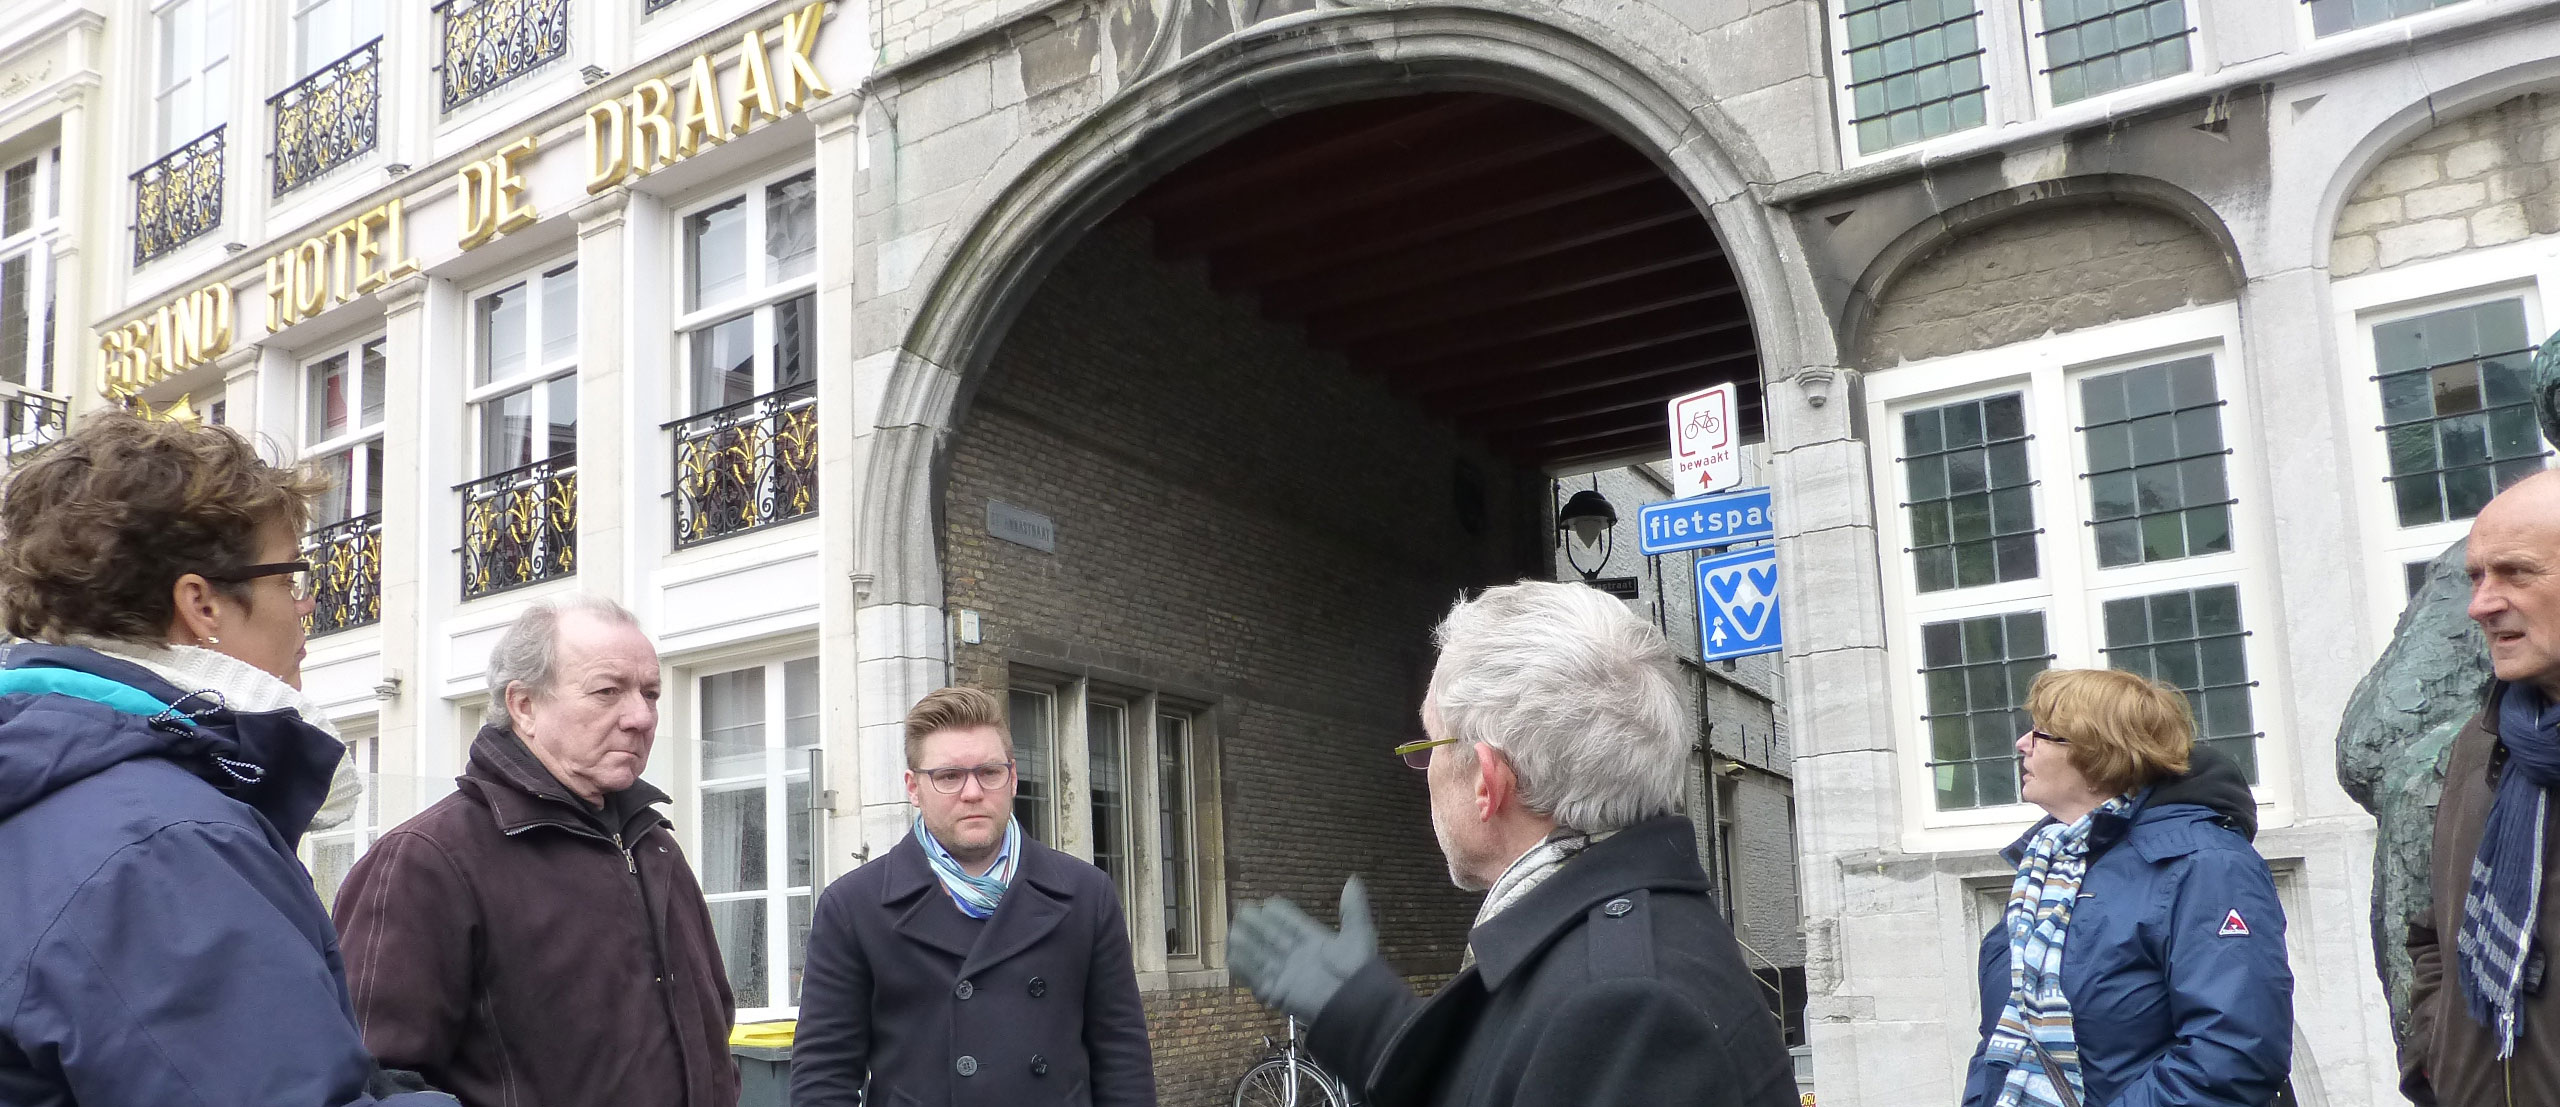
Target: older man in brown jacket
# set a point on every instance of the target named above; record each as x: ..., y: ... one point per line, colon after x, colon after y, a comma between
x: 2484, y: 1022
x: 537, y: 937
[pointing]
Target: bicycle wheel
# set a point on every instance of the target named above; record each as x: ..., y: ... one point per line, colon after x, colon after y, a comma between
x: 1268, y: 1085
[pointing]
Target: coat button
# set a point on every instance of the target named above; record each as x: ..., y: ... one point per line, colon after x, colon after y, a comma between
x: 1617, y: 908
x: 1039, y: 1065
x: 965, y: 990
x: 1039, y: 987
x: 967, y: 1065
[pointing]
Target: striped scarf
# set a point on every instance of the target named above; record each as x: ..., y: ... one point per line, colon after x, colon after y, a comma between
x: 2498, y: 912
x: 976, y: 896
x: 2037, y: 1021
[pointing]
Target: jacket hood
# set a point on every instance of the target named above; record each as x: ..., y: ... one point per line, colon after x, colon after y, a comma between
x: 67, y: 714
x: 2216, y: 783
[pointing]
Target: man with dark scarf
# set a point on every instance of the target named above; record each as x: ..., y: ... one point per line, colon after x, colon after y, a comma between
x: 2484, y: 1024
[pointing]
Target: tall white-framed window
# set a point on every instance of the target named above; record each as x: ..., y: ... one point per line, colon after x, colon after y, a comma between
x: 191, y: 79
x: 30, y: 221
x: 748, y: 306
x: 2070, y: 501
x: 334, y: 851
x: 342, y: 397
x: 326, y: 30
x: 1117, y: 775
x: 755, y: 851
x: 524, y: 383
x: 2438, y: 359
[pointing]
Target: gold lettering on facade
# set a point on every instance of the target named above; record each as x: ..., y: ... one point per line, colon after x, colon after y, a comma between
x: 170, y: 339
x: 654, y: 128
x: 755, y: 84
x: 701, y: 116
x: 340, y: 265
x: 801, y: 83
x: 492, y: 191
x: 653, y: 132
x: 608, y: 154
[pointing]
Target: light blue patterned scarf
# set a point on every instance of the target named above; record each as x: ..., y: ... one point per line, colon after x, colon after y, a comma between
x: 2039, y: 919
x: 976, y: 896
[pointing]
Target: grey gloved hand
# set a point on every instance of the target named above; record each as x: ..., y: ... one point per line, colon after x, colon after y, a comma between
x: 1294, y: 963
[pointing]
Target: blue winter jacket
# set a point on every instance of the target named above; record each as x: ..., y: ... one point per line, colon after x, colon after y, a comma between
x: 159, y: 942
x: 2175, y: 963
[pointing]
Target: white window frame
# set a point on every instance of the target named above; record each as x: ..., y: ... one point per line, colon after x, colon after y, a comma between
x: 537, y: 374
x: 36, y: 245
x: 2070, y: 588
x: 1142, y: 896
x: 363, y: 826
x: 358, y: 433
x: 2040, y: 64
x: 365, y: 22
x: 764, y: 295
x: 190, y: 18
x: 776, y: 777
x: 2529, y: 270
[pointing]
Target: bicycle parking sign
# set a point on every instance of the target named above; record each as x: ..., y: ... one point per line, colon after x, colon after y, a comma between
x: 1705, y: 450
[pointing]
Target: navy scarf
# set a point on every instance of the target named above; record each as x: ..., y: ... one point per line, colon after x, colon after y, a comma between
x: 2506, y: 878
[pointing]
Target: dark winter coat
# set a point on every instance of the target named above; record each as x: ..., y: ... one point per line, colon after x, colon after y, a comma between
x: 1613, y: 984
x: 2449, y: 1057
x: 927, y: 1007
x: 2175, y: 963
x: 519, y: 947
x: 159, y: 942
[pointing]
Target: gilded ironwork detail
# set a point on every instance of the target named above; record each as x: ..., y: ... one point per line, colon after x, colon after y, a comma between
x: 488, y: 43
x: 329, y: 118
x: 346, y: 575
x: 178, y: 197
x: 520, y: 527
x: 748, y: 465
x: 28, y: 421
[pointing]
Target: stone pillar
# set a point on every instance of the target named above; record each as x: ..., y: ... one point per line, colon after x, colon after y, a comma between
x: 407, y: 501
x: 75, y: 355
x: 605, y: 454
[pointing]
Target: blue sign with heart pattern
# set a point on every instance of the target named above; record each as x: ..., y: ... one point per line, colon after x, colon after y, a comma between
x: 1738, y: 604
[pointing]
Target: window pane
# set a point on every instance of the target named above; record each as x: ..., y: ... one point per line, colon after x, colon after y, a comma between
x: 791, y: 227
x: 2457, y: 411
x: 371, y: 452
x: 2153, y: 445
x: 2329, y: 17
x: 375, y: 370
x: 501, y: 332
x: 799, y: 942
x: 1173, y: 833
x: 1034, y: 743
x: 1106, y: 745
x: 715, y: 255
x: 506, y: 432
x: 16, y: 326
x: 724, y: 363
x: 800, y: 703
x: 18, y: 198
x: 563, y: 416
x: 738, y: 924
x: 2096, y: 46
x: 336, y: 469
x: 733, y: 724
x: 1967, y: 476
x: 328, y: 400
x: 560, y: 316
x: 796, y: 838
x: 1915, y: 71
x: 1975, y: 674
x: 2192, y: 640
x: 733, y: 829
x: 795, y: 341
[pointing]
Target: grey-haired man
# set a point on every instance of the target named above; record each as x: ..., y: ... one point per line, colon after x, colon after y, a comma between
x: 1599, y: 971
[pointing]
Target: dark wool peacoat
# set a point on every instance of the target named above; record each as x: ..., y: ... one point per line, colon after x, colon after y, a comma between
x: 1613, y: 984
x: 927, y: 1007
x: 518, y: 947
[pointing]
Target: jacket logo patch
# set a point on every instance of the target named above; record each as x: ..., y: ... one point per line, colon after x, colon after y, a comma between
x: 2233, y: 926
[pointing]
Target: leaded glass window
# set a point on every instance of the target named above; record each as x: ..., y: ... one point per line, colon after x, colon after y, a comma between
x: 2192, y: 641
x: 2328, y: 17
x: 2158, y: 486
x: 1976, y: 672
x: 2457, y: 408
x: 2099, y: 46
x: 1972, y: 504
x: 1915, y: 70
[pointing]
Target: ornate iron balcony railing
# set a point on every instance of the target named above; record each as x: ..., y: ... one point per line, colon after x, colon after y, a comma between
x: 346, y: 575
x: 488, y: 43
x: 328, y: 118
x: 520, y: 527
x: 28, y: 421
x: 178, y: 197
x: 748, y: 465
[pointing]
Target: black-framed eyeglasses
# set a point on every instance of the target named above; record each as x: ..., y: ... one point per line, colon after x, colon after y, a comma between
x: 298, y: 571
x: 991, y: 776
x: 2048, y: 736
x: 1417, y: 754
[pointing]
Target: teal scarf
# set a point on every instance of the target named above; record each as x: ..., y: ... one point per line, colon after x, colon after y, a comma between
x: 976, y: 896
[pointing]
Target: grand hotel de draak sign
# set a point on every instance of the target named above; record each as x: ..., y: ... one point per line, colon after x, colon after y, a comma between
x: 659, y: 122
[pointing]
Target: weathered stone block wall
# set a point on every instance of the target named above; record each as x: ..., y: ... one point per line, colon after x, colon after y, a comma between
x: 2043, y: 272
x: 1242, y: 516
x: 1765, y: 910
x: 2482, y: 180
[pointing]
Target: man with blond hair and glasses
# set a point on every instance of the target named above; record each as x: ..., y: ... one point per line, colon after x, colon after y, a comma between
x: 971, y: 964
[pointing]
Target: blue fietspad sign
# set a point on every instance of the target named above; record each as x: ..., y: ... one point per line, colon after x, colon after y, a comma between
x: 1738, y: 604
x: 1721, y: 519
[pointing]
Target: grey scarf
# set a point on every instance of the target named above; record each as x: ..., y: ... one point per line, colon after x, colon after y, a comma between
x: 1533, y: 868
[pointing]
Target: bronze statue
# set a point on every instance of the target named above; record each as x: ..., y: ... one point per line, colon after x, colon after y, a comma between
x: 2400, y: 724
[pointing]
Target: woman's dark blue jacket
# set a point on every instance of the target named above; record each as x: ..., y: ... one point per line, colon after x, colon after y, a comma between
x: 2175, y: 963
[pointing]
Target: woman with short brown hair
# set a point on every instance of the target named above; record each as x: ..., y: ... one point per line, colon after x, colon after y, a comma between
x: 2175, y: 989
x: 159, y: 940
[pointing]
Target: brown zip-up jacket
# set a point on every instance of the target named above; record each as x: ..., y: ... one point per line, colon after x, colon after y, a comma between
x: 2449, y: 1057
x: 521, y: 949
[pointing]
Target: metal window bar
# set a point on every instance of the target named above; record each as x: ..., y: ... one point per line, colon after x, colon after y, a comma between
x: 519, y: 527
x: 2104, y: 17
x: 749, y: 465
x: 329, y: 118
x: 28, y: 421
x: 2116, y: 53
x: 488, y: 43
x: 1909, y: 39
x: 177, y: 198
x: 346, y: 575
x: 2328, y: 17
